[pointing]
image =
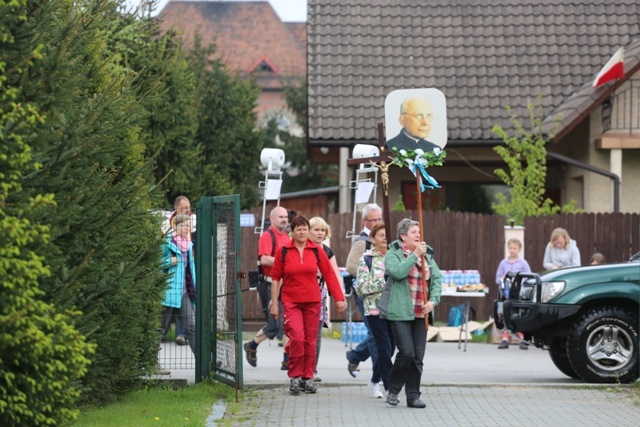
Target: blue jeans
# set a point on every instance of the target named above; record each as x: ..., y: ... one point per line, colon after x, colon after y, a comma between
x: 273, y: 328
x: 187, y: 315
x: 381, y: 330
x: 366, y: 348
x: 411, y: 339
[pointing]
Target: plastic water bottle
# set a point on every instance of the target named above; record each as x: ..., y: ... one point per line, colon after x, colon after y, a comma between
x: 458, y: 279
x: 446, y: 277
x: 475, y: 277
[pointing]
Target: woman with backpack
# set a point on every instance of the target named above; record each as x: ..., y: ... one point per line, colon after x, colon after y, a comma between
x: 295, y: 284
x: 406, y: 308
x: 370, y: 282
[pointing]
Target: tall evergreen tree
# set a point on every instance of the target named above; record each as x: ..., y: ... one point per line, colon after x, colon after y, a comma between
x: 165, y: 85
x: 42, y: 355
x: 104, y: 247
x: 226, y: 128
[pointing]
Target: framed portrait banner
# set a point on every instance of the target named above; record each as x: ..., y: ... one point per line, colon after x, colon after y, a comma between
x: 416, y: 119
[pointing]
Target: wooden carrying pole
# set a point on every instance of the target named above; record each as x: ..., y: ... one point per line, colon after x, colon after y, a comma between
x: 385, y: 198
x: 425, y: 291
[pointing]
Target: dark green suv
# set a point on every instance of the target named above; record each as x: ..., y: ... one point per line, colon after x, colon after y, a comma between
x: 587, y: 317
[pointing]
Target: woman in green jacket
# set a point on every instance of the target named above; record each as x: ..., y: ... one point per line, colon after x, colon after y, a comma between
x: 406, y: 309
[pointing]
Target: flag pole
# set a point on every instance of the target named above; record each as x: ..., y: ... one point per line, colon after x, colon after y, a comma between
x: 423, y: 281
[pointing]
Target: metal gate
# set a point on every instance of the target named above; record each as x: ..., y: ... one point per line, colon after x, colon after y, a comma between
x: 219, y: 302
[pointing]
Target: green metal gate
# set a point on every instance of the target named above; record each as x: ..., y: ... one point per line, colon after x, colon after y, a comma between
x: 219, y: 302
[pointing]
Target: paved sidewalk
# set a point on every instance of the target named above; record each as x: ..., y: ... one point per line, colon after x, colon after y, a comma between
x: 482, y: 386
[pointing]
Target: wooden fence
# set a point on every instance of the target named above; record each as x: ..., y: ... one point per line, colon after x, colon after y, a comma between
x: 469, y: 241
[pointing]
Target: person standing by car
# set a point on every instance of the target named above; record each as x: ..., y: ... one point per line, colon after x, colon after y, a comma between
x: 512, y: 263
x: 561, y: 251
x: 406, y: 308
x: 597, y: 259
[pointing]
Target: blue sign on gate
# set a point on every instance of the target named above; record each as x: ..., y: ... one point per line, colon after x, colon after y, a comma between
x: 247, y: 220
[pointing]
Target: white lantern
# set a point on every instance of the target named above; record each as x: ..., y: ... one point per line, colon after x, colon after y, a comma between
x: 272, y: 158
x: 365, y: 151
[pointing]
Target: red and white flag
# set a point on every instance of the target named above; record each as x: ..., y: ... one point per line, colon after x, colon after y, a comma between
x: 613, y: 69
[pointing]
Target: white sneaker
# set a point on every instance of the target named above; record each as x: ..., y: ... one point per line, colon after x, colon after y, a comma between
x: 377, y: 390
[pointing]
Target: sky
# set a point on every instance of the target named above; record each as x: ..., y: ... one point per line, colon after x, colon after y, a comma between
x: 287, y: 10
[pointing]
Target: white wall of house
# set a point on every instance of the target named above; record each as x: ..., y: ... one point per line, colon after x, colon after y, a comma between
x: 624, y: 162
x: 630, y: 186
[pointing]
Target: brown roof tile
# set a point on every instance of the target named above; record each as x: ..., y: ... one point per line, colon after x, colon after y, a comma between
x: 245, y: 34
x: 482, y: 55
x: 299, y: 31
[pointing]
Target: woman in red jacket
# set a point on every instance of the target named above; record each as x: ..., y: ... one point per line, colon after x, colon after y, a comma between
x: 295, y: 283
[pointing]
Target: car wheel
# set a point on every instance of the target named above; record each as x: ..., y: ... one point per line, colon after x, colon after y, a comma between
x: 603, y: 346
x: 558, y: 353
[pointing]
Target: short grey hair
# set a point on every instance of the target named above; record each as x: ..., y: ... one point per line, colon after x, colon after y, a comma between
x: 181, y: 218
x: 405, y: 225
x: 371, y: 207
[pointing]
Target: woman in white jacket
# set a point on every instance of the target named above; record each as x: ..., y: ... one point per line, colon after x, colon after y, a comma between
x: 561, y: 251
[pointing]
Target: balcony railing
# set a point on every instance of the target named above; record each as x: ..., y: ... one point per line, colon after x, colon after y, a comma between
x: 621, y: 112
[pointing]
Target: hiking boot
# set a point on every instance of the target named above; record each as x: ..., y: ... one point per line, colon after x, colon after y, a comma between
x: 503, y: 345
x: 309, y: 387
x: 392, y: 399
x: 523, y: 345
x: 352, y: 367
x: 250, y: 353
x: 376, y: 390
x: 296, y: 386
x: 417, y: 403
x: 181, y: 340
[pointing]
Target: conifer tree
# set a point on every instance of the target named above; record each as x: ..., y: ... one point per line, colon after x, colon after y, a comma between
x: 103, y: 251
x: 226, y: 128
x: 42, y: 355
x: 165, y: 85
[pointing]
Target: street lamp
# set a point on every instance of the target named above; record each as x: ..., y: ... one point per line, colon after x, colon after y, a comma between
x: 272, y: 160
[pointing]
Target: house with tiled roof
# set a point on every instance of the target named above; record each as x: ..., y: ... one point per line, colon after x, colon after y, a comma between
x: 251, y: 39
x: 484, y: 56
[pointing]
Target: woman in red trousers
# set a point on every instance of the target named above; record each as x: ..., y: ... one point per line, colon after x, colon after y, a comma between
x: 295, y: 283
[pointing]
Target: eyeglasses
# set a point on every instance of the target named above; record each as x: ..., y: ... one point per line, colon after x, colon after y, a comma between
x: 373, y: 220
x: 420, y: 117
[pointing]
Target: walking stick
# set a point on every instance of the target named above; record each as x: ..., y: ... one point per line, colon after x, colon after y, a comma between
x: 425, y: 291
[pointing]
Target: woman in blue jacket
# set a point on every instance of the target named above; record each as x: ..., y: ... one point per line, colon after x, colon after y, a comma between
x: 180, y: 295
